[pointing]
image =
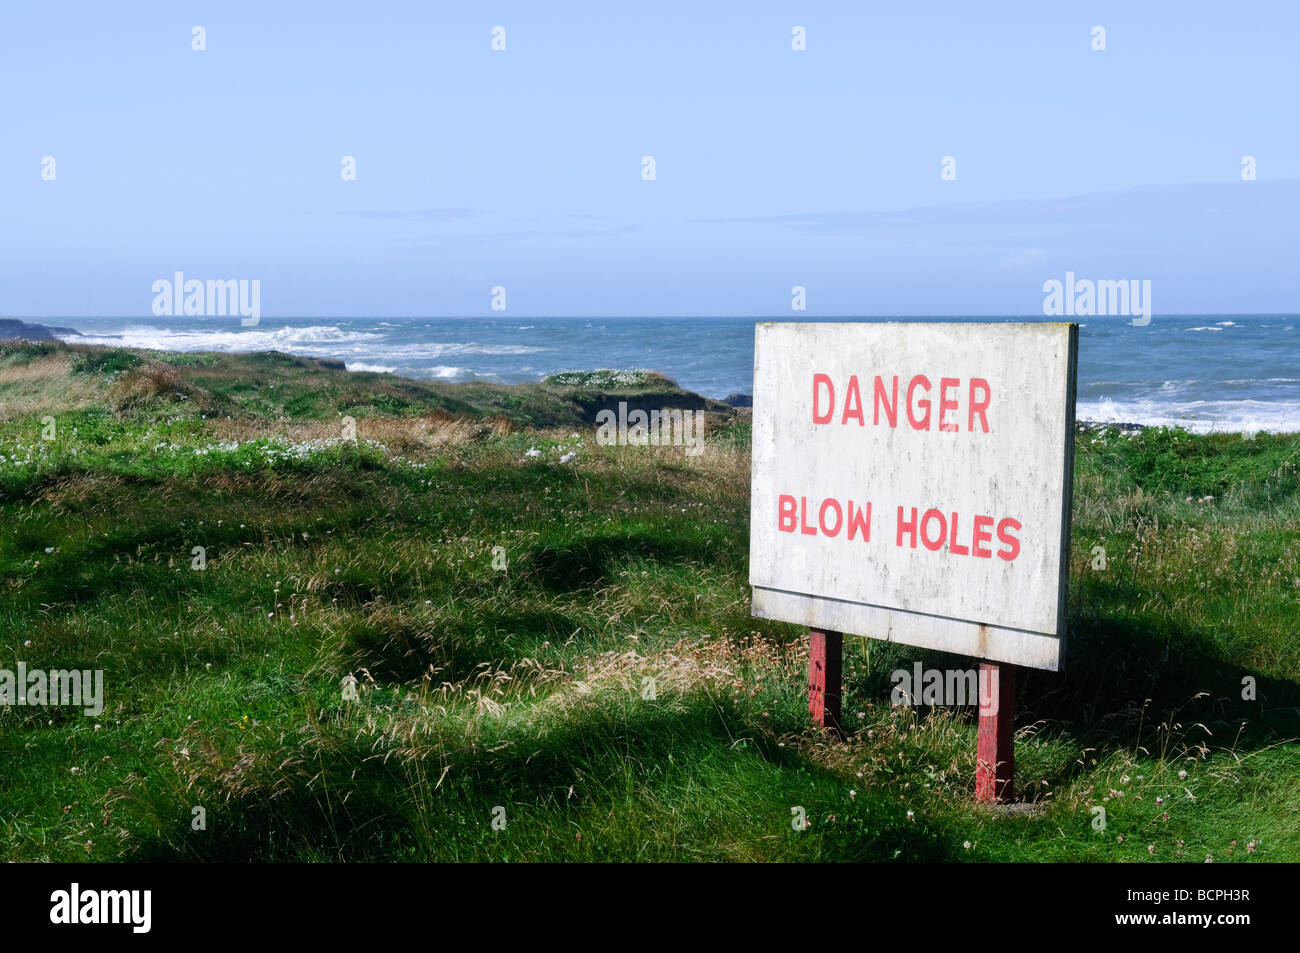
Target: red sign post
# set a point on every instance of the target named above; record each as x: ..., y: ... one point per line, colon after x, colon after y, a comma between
x: 995, y: 762
x: 825, y: 677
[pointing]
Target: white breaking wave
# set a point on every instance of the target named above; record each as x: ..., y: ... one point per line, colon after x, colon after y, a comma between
x: 415, y: 352
x: 1198, y: 416
x: 313, y: 339
x: 471, y: 347
x: 361, y: 366
x: 450, y: 373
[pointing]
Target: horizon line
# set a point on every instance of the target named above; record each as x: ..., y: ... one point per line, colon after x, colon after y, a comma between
x: 605, y: 317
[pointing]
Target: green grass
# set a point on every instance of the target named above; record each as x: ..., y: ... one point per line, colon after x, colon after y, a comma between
x: 526, y: 693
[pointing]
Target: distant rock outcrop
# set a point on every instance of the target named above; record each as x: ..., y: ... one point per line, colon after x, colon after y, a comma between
x: 739, y: 400
x: 12, y: 328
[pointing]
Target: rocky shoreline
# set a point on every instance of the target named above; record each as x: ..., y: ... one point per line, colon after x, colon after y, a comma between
x: 12, y: 329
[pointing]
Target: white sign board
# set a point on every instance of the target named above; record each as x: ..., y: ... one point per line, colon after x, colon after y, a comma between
x: 912, y: 482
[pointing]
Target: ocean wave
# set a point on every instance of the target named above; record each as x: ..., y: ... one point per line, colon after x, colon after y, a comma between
x: 1205, y: 329
x: 450, y: 373
x: 361, y: 366
x: 473, y: 347
x: 311, y: 339
x: 417, y: 351
x: 1267, y: 388
x: 1200, y: 416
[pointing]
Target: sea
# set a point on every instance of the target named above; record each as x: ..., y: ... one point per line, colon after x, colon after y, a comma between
x: 1209, y: 372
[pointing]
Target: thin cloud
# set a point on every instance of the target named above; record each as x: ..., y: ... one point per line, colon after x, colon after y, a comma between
x: 1201, y: 203
x: 1025, y: 260
x: 494, y: 238
x: 413, y: 215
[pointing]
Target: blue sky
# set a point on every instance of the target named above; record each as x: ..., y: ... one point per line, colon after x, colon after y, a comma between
x: 774, y: 168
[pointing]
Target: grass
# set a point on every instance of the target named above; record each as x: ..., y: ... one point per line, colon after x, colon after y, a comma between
x: 607, y: 695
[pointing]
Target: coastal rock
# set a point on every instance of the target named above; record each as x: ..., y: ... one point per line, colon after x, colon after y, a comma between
x: 13, y: 329
x: 739, y: 400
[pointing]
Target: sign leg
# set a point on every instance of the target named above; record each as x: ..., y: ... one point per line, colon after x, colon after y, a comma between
x: 825, y: 667
x: 995, y: 763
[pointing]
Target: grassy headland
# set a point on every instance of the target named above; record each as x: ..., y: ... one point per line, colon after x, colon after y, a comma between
x: 607, y: 694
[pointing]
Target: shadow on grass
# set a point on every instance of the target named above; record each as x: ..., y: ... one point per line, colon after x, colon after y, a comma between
x: 1138, y: 681
x: 588, y: 560
x: 673, y: 776
x: 404, y: 648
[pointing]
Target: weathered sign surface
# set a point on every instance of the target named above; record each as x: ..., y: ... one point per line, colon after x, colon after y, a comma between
x: 911, y: 482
